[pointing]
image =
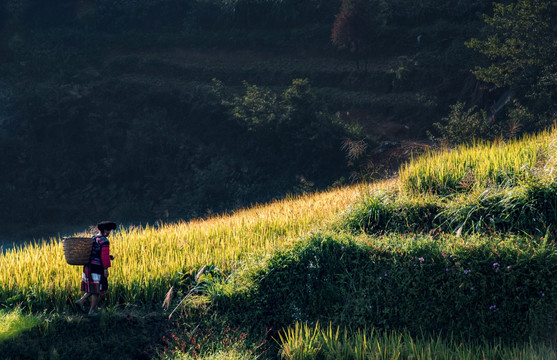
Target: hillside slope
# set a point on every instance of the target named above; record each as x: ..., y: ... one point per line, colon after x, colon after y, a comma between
x: 119, y: 103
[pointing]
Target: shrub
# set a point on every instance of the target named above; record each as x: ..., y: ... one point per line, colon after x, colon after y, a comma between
x: 520, y: 48
x: 463, y: 125
x: 385, y: 211
x: 291, y: 128
x: 482, y: 286
x: 527, y: 208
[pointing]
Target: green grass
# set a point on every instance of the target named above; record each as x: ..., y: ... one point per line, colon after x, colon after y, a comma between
x: 487, y: 286
x: 14, y: 322
x: 473, y: 260
x: 303, y: 342
x: 498, y: 187
x: 123, y: 334
x: 481, y: 165
x: 212, y: 342
x: 149, y: 261
x: 218, y: 355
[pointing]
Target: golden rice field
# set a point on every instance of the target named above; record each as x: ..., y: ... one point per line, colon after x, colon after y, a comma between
x: 148, y: 259
x: 478, y: 165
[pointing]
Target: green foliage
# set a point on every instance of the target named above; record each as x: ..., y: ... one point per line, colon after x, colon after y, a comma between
x: 299, y: 342
x: 531, y: 208
x: 218, y: 341
x: 261, y: 109
x: 210, y: 14
x: 328, y: 343
x: 217, y: 355
x: 13, y: 322
x: 388, y: 211
x: 522, y: 50
x: 521, y: 42
x: 480, y: 165
x: 479, y: 286
x: 162, y: 153
x: 292, y: 127
x: 412, y: 13
x: 175, y: 149
x: 482, y: 188
x: 462, y: 126
x: 258, y: 108
x: 121, y: 335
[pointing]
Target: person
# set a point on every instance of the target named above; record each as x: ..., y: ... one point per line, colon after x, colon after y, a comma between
x: 94, y: 280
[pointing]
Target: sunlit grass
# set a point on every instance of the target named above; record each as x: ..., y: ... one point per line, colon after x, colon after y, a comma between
x: 13, y: 322
x: 152, y: 259
x: 303, y: 342
x: 149, y: 259
x: 470, y: 167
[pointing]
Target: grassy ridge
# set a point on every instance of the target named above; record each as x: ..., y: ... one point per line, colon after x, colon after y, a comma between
x: 482, y: 164
x: 504, y: 187
x: 393, y: 275
x: 487, y: 286
x: 150, y: 260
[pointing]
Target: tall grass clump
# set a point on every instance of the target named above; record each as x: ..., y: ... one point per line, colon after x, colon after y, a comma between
x: 479, y: 165
x: 13, y: 322
x: 498, y: 286
x: 150, y: 260
x: 530, y: 208
x: 332, y: 343
x: 387, y: 210
x: 482, y: 188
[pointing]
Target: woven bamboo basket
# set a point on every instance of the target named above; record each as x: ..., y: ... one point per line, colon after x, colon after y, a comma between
x: 77, y: 250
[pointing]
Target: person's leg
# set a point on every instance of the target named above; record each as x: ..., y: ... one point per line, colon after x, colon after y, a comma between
x: 94, y: 301
x: 84, y: 297
x: 81, y: 301
x: 85, y: 286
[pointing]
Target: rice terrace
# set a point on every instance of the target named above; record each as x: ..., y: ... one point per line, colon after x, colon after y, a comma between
x: 297, y: 269
x: 347, y: 179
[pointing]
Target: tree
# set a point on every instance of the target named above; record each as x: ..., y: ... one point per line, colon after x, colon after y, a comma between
x: 354, y: 28
x: 291, y: 128
x: 522, y: 50
x: 463, y: 125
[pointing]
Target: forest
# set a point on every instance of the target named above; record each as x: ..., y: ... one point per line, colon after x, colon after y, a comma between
x: 157, y: 110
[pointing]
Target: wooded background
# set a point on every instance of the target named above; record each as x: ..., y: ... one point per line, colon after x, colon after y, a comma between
x: 150, y: 110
